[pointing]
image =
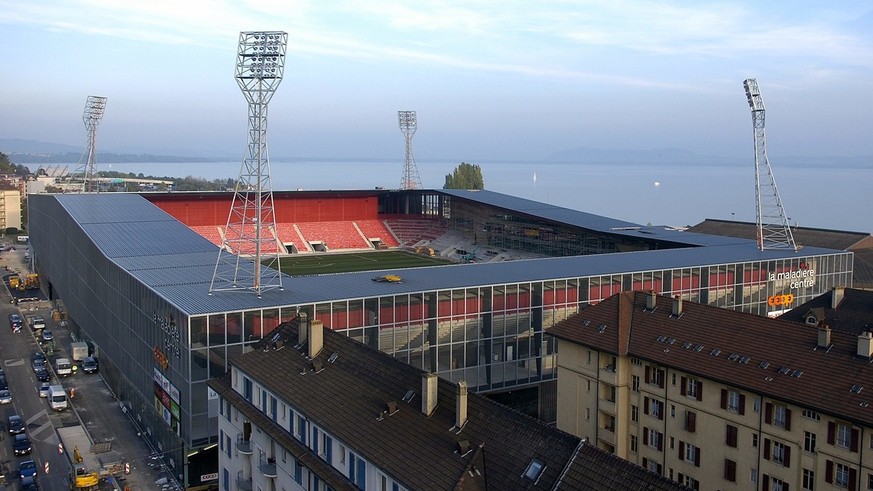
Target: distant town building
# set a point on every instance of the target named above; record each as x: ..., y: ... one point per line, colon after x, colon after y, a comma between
x: 311, y: 408
x: 719, y: 399
x: 10, y: 209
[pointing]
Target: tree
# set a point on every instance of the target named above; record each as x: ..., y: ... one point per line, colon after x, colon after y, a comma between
x: 465, y: 176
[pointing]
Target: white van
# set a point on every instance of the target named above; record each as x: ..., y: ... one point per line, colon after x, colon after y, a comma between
x: 57, y: 398
x: 23, y: 239
x: 63, y: 367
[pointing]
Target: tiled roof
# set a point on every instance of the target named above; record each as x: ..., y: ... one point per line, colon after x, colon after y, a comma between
x: 853, y: 314
x: 734, y: 348
x: 347, y: 399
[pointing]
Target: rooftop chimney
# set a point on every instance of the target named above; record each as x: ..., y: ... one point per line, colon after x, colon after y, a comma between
x: 428, y: 393
x: 837, y: 296
x: 461, y: 405
x: 677, y: 306
x: 652, y: 300
x: 865, y: 344
x: 824, y: 336
x: 303, y: 328
x: 316, y: 337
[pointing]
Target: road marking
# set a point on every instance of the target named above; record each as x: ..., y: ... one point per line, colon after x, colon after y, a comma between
x: 37, y: 416
x: 14, y: 363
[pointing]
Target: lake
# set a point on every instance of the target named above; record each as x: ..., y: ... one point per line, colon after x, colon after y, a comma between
x: 822, y: 196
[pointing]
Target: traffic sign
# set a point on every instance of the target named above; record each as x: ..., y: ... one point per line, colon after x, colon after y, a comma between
x: 60, y: 448
x: 46, y: 467
x: 127, y: 467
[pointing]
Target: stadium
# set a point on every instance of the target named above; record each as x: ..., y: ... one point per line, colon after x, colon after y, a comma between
x: 479, y: 276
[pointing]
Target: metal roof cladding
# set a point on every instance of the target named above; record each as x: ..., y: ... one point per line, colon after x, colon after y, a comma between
x: 177, y: 263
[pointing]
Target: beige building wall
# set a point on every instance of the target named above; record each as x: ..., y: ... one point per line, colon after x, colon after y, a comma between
x: 705, y: 433
x: 10, y: 209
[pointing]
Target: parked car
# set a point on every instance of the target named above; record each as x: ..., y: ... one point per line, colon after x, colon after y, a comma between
x: 4, y: 384
x: 5, y: 397
x: 47, y: 336
x: 44, y: 389
x: 21, y: 445
x: 14, y: 424
x: 89, y: 364
x: 29, y: 484
x: 37, y: 359
x: 43, y: 375
x: 26, y: 468
x: 15, y: 322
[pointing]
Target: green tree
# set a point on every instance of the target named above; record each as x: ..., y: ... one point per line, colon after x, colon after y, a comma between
x: 465, y: 176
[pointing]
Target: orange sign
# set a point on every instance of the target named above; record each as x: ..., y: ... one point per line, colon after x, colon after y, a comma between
x: 160, y: 358
x: 781, y: 299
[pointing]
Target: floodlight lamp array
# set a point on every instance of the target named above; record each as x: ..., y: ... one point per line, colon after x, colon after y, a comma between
x: 753, y: 94
x: 407, y: 120
x: 262, y: 55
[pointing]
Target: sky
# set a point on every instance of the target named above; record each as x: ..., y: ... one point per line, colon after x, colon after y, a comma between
x: 489, y: 80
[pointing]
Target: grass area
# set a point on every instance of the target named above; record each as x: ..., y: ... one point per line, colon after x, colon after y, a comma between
x: 309, y: 264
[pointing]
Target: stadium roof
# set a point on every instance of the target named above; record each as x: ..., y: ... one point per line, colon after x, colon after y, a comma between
x: 178, y: 264
x: 590, y: 221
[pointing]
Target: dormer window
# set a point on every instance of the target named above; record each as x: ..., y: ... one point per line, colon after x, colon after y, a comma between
x: 812, y: 321
x: 534, y: 469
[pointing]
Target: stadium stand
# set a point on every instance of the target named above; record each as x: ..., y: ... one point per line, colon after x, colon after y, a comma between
x: 334, y: 235
x: 289, y: 234
x: 373, y: 229
x: 412, y: 231
x: 210, y: 232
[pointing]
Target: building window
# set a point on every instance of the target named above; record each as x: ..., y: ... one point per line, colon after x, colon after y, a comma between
x: 655, y: 376
x: 808, y: 480
x: 779, y: 485
x: 777, y: 415
x: 869, y: 482
x: 730, y: 470
x: 673, y: 381
x: 755, y: 440
x: 809, y: 442
x: 730, y: 438
x: 733, y: 401
x: 635, y: 414
x: 692, y: 388
x: 809, y: 414
x: 227, y: 444
x: 637, y: 362
x: 247, y: 388
x: 689, y: 481
x: 653, y: 466
x: 634, y: 443
x: 690, y: 421
x: 844, y: 436
x: 692, y: 454
x: 781, y: 454
x: 225, y: 479
x: 653, y: 438
x: 357, y: 470
x: 841, y: 477
x: 654, y: 408
x: 635, y: 383
x: 753, y: 475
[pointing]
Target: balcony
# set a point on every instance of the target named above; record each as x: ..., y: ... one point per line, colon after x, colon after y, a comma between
x: 268, y: 467
x: 244, y: 445
x: 243, y: 483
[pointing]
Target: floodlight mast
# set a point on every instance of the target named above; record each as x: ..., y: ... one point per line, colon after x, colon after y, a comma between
x: 250, y: 235
x: 774, y: 232
x: 408, y: 125
x: 87, y: 168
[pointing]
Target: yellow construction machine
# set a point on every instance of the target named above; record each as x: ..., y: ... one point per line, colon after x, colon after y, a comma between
x: 83, y: 479
x: 31, y: 281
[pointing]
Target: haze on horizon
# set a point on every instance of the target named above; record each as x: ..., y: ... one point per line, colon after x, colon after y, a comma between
x: 509, y: 80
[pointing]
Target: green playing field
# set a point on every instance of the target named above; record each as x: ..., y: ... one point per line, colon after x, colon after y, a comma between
x: 309, y: 264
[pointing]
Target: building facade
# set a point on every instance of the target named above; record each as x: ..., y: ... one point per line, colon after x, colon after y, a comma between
x: 718, y: 399
x: 10, y: 209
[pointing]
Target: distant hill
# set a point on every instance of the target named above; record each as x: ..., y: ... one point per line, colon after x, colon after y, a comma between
x: 11, y: 146
x: 22, y: 151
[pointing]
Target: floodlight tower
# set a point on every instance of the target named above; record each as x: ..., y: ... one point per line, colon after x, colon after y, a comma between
x: 251, y: 223
x: 774, y: 231
x: 87, y: 168
x: 408, y: 125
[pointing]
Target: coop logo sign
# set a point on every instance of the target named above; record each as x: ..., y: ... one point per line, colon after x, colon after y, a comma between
x: 172, y: 336
x: 780, y: 299
x: 802, y: 277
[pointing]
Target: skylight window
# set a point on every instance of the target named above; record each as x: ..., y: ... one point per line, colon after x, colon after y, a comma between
x: 856, y: 389
x: 764, y: 364
x: 601, y: 328
x: 534, y: 470
x: 784, y: 370
x: 686, y: 344
x: 733, y: 357
x: 797, y: 373
x: 662, y: 339
x: 671, y: 340
x: 698, y: 348
x: 715, y: 352
x: 745, y: 360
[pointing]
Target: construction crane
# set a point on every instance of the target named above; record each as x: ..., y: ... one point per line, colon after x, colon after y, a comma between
x: 774, y: 231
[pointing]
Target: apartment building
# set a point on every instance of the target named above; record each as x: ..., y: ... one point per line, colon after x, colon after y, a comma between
x: 720, y: 399
x: 311, y: 408
x: 10, y: 209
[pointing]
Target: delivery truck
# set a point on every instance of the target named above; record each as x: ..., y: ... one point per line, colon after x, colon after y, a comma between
x: 79, y: 350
